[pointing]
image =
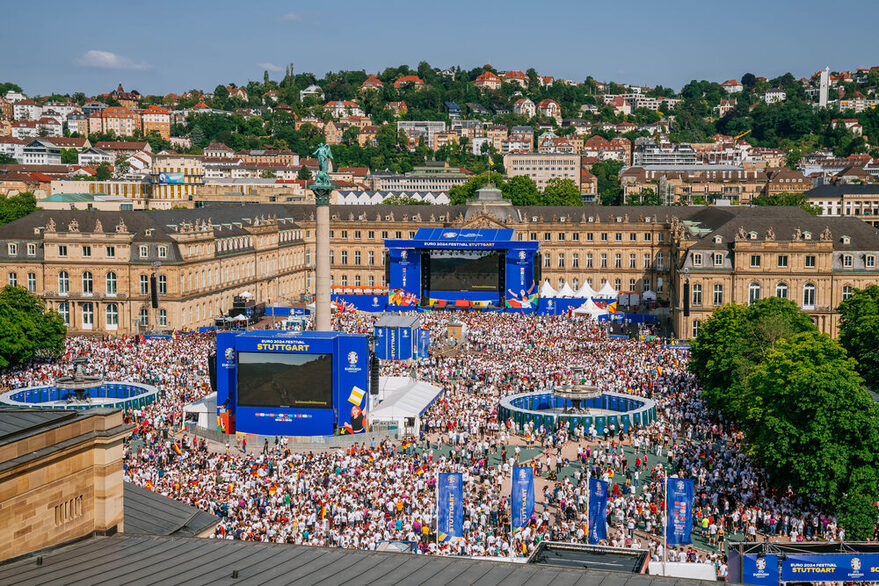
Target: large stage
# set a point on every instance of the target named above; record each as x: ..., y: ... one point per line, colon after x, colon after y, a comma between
x: 440, y: 267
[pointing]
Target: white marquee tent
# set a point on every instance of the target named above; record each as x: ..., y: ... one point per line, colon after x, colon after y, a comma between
x: 566, y: 291
x: 546, y: 290
x: 607, y: 291
x: 589, y: 308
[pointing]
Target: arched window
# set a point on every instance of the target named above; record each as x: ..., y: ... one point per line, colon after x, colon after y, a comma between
x: 809, y: 296
x: 63, y: 283
x: 781, y: 290
x: 64, y: 310
x: 111, y: 284
x: 112, y: 314
x: 753, y: 292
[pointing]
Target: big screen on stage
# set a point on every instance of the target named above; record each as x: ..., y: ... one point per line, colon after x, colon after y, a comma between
x: 470, y: 271
x: 296, y: 381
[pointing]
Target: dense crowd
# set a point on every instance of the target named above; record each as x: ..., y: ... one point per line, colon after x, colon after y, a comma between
x: 382, y: 490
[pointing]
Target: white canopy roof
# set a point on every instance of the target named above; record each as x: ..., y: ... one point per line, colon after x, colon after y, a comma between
x: 404, y: 397
x: 566, y: 291
x: 239, y: 317
x: 649, y: 295
x: 546, y: 290
x: 607, y: 291
x: 246, y: 294
x: 586, y: 291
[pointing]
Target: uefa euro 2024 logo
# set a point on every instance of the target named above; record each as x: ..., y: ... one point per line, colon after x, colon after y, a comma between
x: 449, y: 234
x: 230, y: 353
x: 856, y: 564
x: 522, y: 255
x: 680, y: 485
x: 522, y: 474
x: 352, y: 358
x: 404, y: 254
x: 761, y: 564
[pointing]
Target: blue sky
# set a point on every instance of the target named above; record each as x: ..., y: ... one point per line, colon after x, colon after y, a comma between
x: 164, y: 46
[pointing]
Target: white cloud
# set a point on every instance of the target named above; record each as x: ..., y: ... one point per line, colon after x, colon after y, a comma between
x: 108, y: 60
x: 291, y: 17
x: 270, y: 67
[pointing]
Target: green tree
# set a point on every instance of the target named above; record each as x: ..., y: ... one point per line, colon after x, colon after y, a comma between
x: 103, y: 172
x: 608, y: 175
x: 304, y: 173
x: 26, y: 330
x: 69, y: 157
x: 403, y: 200
x: 459, y: 194
x: 521, y: 190
x: 561, y: 192
x: 7, y: 159
x: 814, y: 425
x: 13, y: 207
x: 733, y: 341
x: 800, y: 200
x: 859, y: 331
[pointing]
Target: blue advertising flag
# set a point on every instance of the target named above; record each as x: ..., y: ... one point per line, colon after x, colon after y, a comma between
x: 597, y: 510
x: 523, y: 496
x: 450, y: 506
x: 679, y: 511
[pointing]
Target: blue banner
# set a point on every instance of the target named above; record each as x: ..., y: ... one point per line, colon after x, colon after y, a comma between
x: 450, y: 506
x: 597, y: 510
x: 843, y: 567
x: 679, y: 510
x: 523, y: 496
x: 760, y: 570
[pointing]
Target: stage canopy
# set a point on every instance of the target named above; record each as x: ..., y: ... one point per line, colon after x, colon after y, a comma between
x: 404, y: 398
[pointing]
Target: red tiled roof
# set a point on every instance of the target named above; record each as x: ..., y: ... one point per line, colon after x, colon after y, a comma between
x: 413, y: 79
x: 119, y: 145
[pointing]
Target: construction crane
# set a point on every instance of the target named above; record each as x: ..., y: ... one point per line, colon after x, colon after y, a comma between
x: 735, y: 138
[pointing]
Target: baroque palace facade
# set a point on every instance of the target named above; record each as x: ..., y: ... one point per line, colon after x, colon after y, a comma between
x: 98, y: 269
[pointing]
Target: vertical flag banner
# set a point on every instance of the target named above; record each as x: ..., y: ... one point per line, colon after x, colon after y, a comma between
x: 597, y: 510
x: 679, y: 509
x: 450, y: 506
x: 523, y: 496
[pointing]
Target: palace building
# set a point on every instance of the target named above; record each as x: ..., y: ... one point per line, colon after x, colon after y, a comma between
x: 99, y: 268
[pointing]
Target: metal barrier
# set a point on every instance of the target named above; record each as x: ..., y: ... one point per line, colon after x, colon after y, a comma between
x: 377, y: 432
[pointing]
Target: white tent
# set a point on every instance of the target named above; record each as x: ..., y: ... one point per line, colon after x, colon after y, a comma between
x: 240, y: 317
x: 246, y: 294
x: 586, y: 291
x: 607, y: 291
x: 404, y: 398
x: 566, y: 291
x: 589, y: 308
x: 649, y: 296
x: 546, y: 290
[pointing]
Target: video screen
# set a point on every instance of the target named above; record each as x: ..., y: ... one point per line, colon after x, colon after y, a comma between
x: 464, y: 271
x: 301, y: 381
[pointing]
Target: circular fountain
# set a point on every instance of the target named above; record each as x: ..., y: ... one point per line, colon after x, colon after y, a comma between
x: 82, y: 391
x: 578, y: 403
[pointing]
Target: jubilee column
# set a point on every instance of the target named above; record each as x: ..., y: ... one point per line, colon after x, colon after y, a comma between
x: 322, y: 188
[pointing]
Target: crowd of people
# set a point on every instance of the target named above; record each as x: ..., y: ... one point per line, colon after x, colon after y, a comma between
x: 383, y: 490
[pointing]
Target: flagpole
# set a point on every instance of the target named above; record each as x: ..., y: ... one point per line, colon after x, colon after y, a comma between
x: 437, y: 512
x: 588, y: 504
